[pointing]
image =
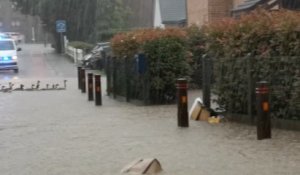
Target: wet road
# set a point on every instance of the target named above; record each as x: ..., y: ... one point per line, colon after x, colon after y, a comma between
x: 59, y: 132
x: 35, y: 61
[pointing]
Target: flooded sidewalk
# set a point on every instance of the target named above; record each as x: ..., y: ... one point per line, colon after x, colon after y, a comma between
x: 60, y: 132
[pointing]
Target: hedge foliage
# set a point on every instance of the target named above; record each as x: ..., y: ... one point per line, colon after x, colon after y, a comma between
x: 261, y: 33
x: 130, y: 43
x: 165, y: 52
x: 262, y: 45
x: 196, y: 48
x: 273, y: 41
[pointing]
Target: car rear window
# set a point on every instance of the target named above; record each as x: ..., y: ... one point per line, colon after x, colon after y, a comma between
x: 6, y: 45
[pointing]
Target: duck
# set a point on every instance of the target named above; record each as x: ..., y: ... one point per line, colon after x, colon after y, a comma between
x: 9, y: 89
x: 47, y: 88
x: 37, y: 86
x: 64, y: 87
x: 54, y: 86
x: 10, y: 85
x: 30, y: 89
x: 21, y: 88
x: 65, y: 84
x: 2, y: 88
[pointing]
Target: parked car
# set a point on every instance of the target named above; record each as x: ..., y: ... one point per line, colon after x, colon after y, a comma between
x: 4, y: 36
x: 96, y: 59
x: 8, y: 55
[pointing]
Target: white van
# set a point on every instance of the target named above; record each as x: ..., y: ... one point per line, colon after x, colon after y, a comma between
x: 8, y: 55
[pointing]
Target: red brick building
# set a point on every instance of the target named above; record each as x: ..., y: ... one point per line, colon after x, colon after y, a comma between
x: 200, y: 12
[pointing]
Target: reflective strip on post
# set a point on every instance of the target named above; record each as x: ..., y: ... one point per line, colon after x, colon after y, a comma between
x: 266, y: 106
x: 79, y: 77
x: 263, y: 111
x: 83, y: 81
x: 90, y: 87
x: 182, y: 103
x: 98, y: 91
x: 183, y: 99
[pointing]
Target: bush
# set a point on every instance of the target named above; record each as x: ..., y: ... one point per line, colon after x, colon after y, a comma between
x: 196, y: 47
x: 166, y: 63
x: 273, y: 41
x: 130, y: 43
x: 165, y: 52
x: 261, y: 33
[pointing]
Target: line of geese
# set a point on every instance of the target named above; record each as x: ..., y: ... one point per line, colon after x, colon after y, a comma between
x: 34, y: 87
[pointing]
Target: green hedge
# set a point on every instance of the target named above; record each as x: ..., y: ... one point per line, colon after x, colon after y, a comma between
x: 273, y: 41
x: 165, y: 52
x: 166, y: 63
x: 282, y: 74
x: 196, y: 47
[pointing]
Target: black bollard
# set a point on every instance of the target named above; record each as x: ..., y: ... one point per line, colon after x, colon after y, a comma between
x: 83, y: 81
x: 98, y: 91
x: 90, y: 87
x: 206, y: 80
x: 263, y: 111
x: 182, y: 102
x: 79, y: 76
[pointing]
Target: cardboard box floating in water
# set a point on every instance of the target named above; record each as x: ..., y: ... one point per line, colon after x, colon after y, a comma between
x: 143, y: 166
x: 198, y: 111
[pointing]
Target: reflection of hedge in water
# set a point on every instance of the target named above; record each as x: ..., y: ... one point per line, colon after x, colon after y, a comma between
x: 282, y: 73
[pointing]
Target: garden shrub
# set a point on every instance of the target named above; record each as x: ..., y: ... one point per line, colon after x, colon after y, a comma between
x: 272, y: 39
x: 165, y: 51
x: 166, y: 63
x: 196, y: 47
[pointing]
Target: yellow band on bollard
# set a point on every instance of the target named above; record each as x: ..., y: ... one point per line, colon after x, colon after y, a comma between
x: 265, y: 106
x: 98, y: 89
x: 184, y: 99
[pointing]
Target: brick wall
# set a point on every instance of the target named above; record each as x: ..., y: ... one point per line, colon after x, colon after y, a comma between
x: 218, y: 9
x: 237, y: 2
x: 197, y: 12
x: 203, y: 11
